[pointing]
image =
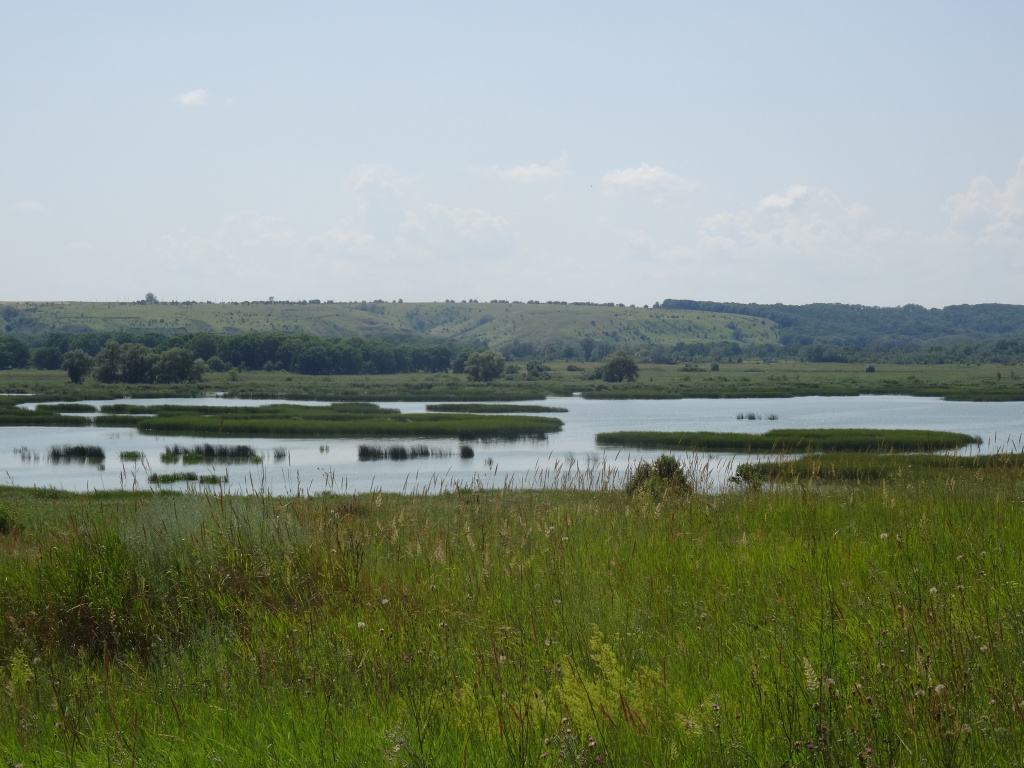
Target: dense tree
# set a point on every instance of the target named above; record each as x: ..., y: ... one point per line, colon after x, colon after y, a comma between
x: 77, y: 364
x: 484, y: 366
x: 13, y: 353
x: 620, y: 367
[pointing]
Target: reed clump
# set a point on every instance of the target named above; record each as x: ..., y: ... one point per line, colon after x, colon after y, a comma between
x: 79, y: 453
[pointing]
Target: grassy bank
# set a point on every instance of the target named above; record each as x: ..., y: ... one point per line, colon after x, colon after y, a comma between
x: 791, y: 440
x: 873, y: 626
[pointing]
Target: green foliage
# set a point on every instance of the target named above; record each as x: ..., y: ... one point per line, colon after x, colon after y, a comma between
x: 655, y: 479
x: 620, y: 366
x: 77, y: 364
x: 484, y: 366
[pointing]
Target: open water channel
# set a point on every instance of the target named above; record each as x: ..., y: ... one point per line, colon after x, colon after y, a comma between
x: 570, y: 457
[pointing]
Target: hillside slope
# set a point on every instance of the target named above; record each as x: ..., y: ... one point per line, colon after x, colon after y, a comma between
x: 497, y: 324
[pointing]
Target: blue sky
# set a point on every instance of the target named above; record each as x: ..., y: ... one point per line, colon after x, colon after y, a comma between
x: 795, y: 152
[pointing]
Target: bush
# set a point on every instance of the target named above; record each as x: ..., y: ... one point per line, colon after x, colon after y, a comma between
x: 663, y: 476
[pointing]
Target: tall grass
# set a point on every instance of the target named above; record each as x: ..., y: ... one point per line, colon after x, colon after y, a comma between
x: 870, y: 625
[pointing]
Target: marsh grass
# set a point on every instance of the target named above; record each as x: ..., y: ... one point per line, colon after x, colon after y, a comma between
x: 793, y: 440
x: 341, y: 420
x: 79, y: 453
x: 173, y: 477
x: 403, y: 452
x: 493, y: 408
x: 876, y: 624
x: 870, y: 468
x: 206, y: 453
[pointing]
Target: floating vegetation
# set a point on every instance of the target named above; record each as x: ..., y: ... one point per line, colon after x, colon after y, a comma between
x: 78, y: 453
x: 403, y: 452
x: 793, y: 440
x: 212, y: 479
x: 493, y: 408
x: 749, y: 416
x: 174, y: 477
x: 132, y: 455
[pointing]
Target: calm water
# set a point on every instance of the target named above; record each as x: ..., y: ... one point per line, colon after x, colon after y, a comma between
x: 567, y: 457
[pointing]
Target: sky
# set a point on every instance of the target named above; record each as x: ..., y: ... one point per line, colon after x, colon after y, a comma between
x: 867, y: 153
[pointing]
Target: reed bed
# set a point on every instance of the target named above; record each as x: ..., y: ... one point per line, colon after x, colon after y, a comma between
x: 870, y: 625
x: 335, y: 421
x: 173, y: 477
x: 132, y: 456
x: 493, y: 408
x: 403, y: 452
x: 793, y: 440
x: 868, y: 468
x: 80, y: 453
x: 65, y: 408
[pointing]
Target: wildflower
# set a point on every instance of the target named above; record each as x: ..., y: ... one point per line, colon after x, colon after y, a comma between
x: 385, y: 601
x: 883, y: 536
x: 361, y: 625
x: 984, y: 648
x: 933, y: 590
x: 940, y: 689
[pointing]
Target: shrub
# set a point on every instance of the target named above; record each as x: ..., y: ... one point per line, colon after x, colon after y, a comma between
x: 658, y: 478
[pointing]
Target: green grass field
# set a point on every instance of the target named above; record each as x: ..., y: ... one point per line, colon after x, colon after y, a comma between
x: 874, y: 624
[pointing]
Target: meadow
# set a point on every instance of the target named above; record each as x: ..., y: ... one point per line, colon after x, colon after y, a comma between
x: 811, y: 623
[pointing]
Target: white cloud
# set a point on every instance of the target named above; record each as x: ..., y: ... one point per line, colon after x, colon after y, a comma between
x: 786, y: 200
x: 802, y: 220
x: 534, y: 172
x: 647, y: 178
x: 462, y: 232
x: 29, y: 206
x: 196, y: 98
x: 988, y: 213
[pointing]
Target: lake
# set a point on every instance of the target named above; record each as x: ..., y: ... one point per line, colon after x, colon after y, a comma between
x: 568, y: 457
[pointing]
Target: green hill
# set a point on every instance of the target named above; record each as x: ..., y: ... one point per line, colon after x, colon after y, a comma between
x: 517, y: 325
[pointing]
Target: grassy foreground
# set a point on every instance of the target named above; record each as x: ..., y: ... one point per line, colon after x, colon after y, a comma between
x: 864, y: 625
x: 792, y: 440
